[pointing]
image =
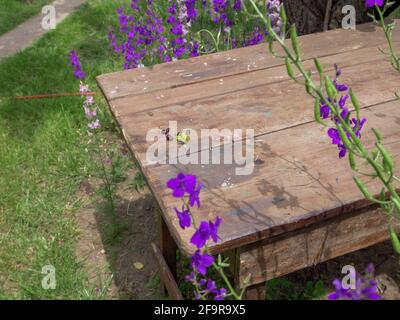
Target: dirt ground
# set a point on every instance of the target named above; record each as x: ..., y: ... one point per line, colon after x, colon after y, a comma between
x: 122, y: 256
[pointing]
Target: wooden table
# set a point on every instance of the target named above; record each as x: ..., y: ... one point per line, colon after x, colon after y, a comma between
x: 300, y: 206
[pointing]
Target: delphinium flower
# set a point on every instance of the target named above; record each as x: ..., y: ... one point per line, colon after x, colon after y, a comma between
x: 221, y: 14
x: 371, y: 3
x: 355, y: 124
x: 366, y: 288
x: 153, y: 33
x: 76, y: 65
x: 151, y: 36
x: 191, y: 11
x: 256, y: 38
x: 187, y: 187
x: 273, y: 12
x: 88, y: 104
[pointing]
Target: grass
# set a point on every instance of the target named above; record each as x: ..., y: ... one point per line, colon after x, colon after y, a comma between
x: 43, y: 158
x: 14, y: 12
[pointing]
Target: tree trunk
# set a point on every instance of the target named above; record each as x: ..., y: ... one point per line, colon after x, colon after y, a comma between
x: 309, y: 15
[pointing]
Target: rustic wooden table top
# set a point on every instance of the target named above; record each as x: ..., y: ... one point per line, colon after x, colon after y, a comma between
x: 298, y: 179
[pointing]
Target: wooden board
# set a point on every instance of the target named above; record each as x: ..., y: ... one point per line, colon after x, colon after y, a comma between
x: 298, y: 180
x: 180, y: 73
x: 260, y: 108
x: 310, y: 246
x: 295, y: 184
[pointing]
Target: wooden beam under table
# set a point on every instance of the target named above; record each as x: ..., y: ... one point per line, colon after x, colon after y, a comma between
x: 168, y: 280
x: 296, y: 250
x: 168, y: 250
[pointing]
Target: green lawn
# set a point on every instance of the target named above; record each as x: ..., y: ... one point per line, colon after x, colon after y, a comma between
x: 43, y: 157
x: 14, y: 12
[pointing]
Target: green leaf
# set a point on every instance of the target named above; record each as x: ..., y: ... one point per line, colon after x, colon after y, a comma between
x: 387, y: 158
x: 363, y: 189
x: 344, y: 138
x: 396, y: 204
x: 289, y: 68
x: 295, y: 42
x: 317, y: 113
x: 330, y: 88
x: 283, y: 16
x: 352, y: 161
x: 377, y: 134
x: 356, y: 103
x: 319, y: 67
x: 395, y: 239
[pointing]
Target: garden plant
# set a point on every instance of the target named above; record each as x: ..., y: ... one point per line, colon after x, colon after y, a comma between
x: 330, y: 110
x: 44, y: 165
x: 151, y: 32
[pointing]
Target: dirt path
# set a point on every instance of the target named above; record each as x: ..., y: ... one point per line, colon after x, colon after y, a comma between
x: 28, y: 32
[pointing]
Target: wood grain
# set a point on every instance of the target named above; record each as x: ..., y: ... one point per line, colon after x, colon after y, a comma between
x: 261, y: 108
x: 166, y: 275
x: 170, y: 75
x: 310, y: 246
x: 224, y: 86
x: 298, y: 180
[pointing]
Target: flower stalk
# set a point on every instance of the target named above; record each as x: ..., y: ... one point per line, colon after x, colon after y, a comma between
x: 325, y: 93
x: 186, y: 187
x: 388, y: 30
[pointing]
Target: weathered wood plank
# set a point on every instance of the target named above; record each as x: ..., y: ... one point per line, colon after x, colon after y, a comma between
x: 295, y: 184
x: 223, y: 86
x: 170, y: 75
x: 256, y: 292
x: 297, y: 181
x: 310, y: 246
x: 261, y: 108
x: 166, y: 275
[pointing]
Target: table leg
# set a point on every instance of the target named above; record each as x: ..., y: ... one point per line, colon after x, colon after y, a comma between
x: 168, y: 248
x: 256, y: 292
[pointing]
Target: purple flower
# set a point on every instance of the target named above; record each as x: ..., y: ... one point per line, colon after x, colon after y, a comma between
x: 220, y: 295
x: 356, y: 126
x: 273, y: 12
x: 211, y: 287
x: 371, y: 3
x: 191, y: 277
x: 90, y: 113
x: 184, y: 217
x: 214, y: 229
x: 194, y: 196
x: 256, y: 38
x: 202, y: 235
x: 325, y: 111
x: 94, y: 125
x: 205, y: 231
x: 366, y: 288
x: 201, y: 261
x: 76, y: 65
x: 182, y: 184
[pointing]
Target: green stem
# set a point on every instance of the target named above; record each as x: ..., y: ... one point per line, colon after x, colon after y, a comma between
x: 394, y: 59
x: 312, y: 88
